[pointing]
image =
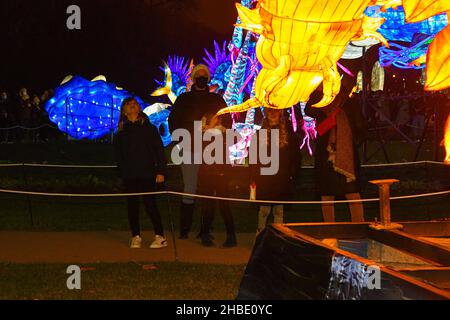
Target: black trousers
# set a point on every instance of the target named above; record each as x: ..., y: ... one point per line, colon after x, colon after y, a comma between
x: 141, y: 186
x: 208, y: 210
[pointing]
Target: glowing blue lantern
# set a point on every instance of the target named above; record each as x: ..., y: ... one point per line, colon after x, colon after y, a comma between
x: 219, y: 64
x: 87, y: 109
x: 158, y: 114
x: 396, y: 29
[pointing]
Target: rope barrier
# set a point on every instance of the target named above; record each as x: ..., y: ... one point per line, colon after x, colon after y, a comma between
x: 113, y: 195
x: 43, y: 165
x: 28, y: 129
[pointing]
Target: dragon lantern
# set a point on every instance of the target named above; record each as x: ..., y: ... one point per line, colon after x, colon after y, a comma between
x: 300, y: 43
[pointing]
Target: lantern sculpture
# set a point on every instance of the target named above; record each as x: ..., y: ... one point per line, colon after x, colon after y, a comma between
x: 300, y: 42
x: 438, y: 56
x: 177, y: 73
x: 418, y: 35
x: 86, y: 109
x: 158, y: 114
x: 219, y: 64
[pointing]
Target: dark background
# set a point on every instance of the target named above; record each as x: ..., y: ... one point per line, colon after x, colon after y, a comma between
x: 125, y: 40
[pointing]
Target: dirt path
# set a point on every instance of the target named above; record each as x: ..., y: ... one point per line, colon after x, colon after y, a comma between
x: 112, y: 246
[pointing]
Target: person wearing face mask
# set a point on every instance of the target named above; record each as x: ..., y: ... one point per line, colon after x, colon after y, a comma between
x: 188, y: 108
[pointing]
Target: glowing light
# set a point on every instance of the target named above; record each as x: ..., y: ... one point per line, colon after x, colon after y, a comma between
x: 309, y: 130
x: 405, y: 57
x: 177, y: 73
x: 301, y: 41
x: 438, y: 56
x: 158, y: 114
x: 378, y: 77
x: 447, y: 140
x: 219, y: 64
x: 395, y: 28
x: 85, y: 103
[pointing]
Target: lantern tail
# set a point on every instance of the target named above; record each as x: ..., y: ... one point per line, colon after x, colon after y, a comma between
x: 247, y: 105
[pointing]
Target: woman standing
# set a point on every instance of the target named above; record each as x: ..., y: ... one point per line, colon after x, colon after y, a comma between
x: 142, y: 165
x: 277, y: 186
x: 341, y: 128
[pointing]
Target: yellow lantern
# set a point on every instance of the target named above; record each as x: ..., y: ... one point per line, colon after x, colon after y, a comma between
x: 300, y: 43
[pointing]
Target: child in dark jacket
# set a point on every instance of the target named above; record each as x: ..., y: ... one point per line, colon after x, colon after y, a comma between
x: 142, y: 165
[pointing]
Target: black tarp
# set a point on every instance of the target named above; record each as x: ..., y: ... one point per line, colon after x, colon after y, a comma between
x: 284, y: 266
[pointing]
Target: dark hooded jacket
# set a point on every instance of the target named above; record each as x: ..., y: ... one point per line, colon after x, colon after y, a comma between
x: 140, y: 151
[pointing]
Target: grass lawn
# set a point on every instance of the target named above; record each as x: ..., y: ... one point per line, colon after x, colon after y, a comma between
x: 124, y: 281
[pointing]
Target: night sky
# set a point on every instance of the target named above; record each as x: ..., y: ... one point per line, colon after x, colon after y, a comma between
x: 125, y: 40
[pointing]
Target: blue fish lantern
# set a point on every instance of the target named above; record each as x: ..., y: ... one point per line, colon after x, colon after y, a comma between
x: 86, y: 109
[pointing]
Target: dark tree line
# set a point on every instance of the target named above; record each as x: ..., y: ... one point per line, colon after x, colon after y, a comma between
x: 124, y: 40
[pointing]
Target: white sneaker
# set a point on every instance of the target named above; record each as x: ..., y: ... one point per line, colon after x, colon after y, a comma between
x: 136, y: 242
x: 160, y: 242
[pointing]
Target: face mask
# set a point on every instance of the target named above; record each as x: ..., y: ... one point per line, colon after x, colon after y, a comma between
x: 201, y: 82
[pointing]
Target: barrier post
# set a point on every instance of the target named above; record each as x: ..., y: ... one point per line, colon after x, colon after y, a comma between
x: 30, y: 208
x: 174, y: 237
x: 385, y: 204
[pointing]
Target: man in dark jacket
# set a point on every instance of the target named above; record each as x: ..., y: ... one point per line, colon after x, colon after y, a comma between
x: 188, y: 108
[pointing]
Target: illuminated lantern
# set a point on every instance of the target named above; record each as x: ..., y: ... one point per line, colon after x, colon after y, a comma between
x: 219, y: 64
x: 378, y: 75
x: 396, y: 28
x: 158, y: 114
x: 87, y: 109
x: 300, y: 42
x: 359, y: 82
x: 177, y: 73
x: 438, y: 57
x: 446, y: 141
x: 412, y: 57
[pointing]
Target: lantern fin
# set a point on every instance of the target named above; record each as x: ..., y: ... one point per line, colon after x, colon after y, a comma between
x: 331, y: 83
x: 167, y: 89
x: 438, y: 62
x: 251, y: 19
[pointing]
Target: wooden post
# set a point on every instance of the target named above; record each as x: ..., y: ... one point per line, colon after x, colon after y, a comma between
x: 385, y: 204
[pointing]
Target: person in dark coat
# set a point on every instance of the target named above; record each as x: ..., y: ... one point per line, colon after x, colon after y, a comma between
x: 188, y: 108
x: 213, y: 181
x: 278, y: 186
x: 4, y: 108
x: 142, y: 165
x: 341, y: 128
